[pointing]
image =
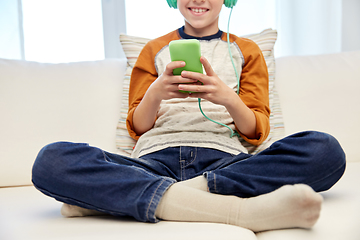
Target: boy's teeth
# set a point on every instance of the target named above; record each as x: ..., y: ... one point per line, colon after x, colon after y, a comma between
x: 198, y: 10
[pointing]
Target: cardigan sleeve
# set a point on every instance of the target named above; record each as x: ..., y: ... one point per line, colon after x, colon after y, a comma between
x: 254, y: 88
x: 144, y: 73
x: 142, y: 76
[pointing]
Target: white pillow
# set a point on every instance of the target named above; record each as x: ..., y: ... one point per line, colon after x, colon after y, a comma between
x: 43, y: 103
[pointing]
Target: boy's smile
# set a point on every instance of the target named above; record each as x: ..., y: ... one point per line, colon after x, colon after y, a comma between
x: 201, y: 16
x: 198, y: 11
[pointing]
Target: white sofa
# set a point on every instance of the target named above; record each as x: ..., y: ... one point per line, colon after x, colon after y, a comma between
x: 43, y: 103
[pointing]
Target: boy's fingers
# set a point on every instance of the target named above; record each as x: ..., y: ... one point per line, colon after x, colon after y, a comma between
x: 208, y: 69
x: 172, y: 65
x: 195, y: 77
x: 195, y: 88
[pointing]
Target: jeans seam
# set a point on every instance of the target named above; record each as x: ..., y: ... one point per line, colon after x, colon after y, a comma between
x: 104, y: 155
x: 152, y: 200
x: 193, y: 160
x: 337, y: 169
x: 181, y: 164
x: 215, y: 182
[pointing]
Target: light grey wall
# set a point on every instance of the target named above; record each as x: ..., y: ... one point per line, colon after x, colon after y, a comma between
x: 344, y: 34
x: 114, y: 23
x: 308, y: 27
x: 317, y: 26
x: 350, y: 25
x: 11, y: 30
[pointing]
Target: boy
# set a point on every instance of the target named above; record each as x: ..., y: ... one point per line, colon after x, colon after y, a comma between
x: 186, y: 168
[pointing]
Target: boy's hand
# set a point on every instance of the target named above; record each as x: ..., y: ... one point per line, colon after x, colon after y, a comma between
x: 216, y: 91
x: 213, y: 89
x: 163, y: 88
x: 166, y: 86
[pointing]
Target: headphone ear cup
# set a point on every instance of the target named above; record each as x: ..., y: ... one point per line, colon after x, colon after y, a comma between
x: 172, y: 3
x: 230, y: 3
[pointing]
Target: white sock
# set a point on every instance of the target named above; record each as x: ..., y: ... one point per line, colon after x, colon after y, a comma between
x: 287, y: 207
x: 198, y: 182
x: 68, y: 210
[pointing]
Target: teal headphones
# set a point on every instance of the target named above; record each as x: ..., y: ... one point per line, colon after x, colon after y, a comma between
x: 227, y: 3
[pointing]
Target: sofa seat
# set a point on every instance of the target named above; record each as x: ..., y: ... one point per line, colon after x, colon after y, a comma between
x: 340, y: 213
x: 25, y: 213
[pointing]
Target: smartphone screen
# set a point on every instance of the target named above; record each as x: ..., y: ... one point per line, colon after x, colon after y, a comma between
x: 188, y: 51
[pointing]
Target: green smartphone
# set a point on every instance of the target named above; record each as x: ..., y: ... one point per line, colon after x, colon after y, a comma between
x: 187, y: 50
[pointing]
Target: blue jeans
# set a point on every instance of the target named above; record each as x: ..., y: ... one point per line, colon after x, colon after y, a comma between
x: 78, y: 174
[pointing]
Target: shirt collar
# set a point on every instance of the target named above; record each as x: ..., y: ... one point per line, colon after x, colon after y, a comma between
x: 186, y: 36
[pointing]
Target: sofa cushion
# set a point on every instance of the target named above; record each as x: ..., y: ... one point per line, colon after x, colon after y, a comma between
x: 43, y: 103
x: 266, y: 39
x: 27, y: 214
x: 339, y: 217
x: 322, y: 93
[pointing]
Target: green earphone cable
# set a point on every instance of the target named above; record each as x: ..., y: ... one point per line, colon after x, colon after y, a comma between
x: 231, y: 57
x: 237, y: 77
x: 232, y: 132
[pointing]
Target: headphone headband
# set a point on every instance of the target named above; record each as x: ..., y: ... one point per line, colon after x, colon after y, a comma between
x: 227, y: 3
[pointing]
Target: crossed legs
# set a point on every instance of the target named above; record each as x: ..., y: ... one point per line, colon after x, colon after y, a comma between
x: 283, y: 203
